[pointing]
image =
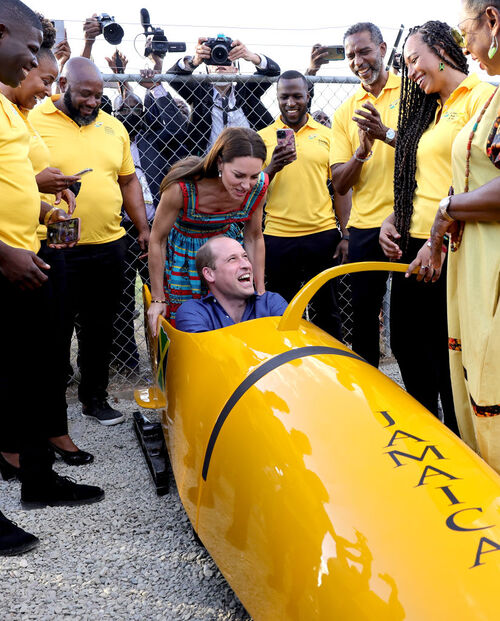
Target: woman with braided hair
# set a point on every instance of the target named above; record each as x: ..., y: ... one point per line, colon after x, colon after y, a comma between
x: 437, y: 99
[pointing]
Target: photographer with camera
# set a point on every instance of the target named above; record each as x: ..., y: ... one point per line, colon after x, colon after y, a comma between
x: 219, y: 105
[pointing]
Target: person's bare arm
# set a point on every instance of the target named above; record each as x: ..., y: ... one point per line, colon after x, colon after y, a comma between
x: 255, y: 247
x: 91, y: 30
x: 479, y: 205
x: 342, y: 204
x: 346, y: 175
x: 133, y: 203
x: 171, y: 203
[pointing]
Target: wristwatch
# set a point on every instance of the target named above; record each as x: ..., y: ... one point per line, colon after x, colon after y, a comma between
x: 390, y: 134
x: 444, y: 205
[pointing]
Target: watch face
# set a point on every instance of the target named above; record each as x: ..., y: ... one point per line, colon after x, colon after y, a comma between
x: 389, y: 135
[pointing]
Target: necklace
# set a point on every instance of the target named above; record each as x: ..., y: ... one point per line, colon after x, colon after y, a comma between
x: 457, y: 237
x: 471, y: 138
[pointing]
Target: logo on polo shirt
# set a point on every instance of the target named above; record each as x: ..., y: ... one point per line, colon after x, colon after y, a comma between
x: 98, y: 124
x: 394, y: 104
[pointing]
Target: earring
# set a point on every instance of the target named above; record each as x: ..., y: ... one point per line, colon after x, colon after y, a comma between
x: 493, y: 47
x: 220, y: 172
x: 441, y: 66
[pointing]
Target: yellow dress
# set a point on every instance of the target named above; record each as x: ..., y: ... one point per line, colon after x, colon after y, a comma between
x: 473, y: 309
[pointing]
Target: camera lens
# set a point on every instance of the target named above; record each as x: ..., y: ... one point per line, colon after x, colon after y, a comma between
x: 219, y: 54
x: 113, y: 33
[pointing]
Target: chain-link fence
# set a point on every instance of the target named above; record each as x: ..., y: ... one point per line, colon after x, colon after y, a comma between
x: 170, y: 120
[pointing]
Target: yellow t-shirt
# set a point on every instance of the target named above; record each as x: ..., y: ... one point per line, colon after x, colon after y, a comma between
x: 433, y: 174
x: 104, y: 146
x: 298, y: 201
x: 373, y: 194
x: 40, y: 159
x: 19, y: 198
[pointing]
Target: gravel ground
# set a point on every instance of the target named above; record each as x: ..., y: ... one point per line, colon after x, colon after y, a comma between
x: 131, y: 556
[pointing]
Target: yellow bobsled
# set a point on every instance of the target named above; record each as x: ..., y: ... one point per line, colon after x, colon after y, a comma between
x: 321, y: 489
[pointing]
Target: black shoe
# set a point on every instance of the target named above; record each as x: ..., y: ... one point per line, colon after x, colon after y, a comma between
x: 73, y: 458
x: 8, y: 471
x: 101, y: 411
x: 14, y: 540
x: 58, y: 491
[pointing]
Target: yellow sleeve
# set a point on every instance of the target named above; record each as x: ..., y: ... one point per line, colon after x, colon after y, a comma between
x: 127, y: 163
x: 341, y: 149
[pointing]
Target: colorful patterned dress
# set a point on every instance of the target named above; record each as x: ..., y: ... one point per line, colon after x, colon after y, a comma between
x: 190, y: 231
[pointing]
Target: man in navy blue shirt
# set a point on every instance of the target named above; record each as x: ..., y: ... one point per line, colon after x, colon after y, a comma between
x: 224, y: 267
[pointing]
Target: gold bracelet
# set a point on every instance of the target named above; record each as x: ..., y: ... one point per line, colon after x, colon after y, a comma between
x: 158, y: 301
x: 49, y: 214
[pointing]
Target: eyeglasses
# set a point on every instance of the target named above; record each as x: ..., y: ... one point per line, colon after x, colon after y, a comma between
x: 458, y: 33
x: 459, y: 38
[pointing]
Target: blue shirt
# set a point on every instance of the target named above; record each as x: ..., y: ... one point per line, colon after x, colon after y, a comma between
x: 207, y: 314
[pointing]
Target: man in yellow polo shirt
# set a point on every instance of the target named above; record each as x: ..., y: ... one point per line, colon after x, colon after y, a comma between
x: 362, y: 154
x: 25, y: 354
x: 301, y: 234
x: 79, y: 135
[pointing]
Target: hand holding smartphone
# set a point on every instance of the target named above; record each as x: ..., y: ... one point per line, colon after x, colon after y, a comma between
x: 335, y: 52
x: 63, y: 232
x: 285, y: 138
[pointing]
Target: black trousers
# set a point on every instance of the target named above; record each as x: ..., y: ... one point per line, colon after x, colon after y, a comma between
x: 26, y: 378
x: 94, y: 283
x: 419, y: 338
x: 124, y: 349
x: 57, y: 419
x: 292, y: 261
x: 367, y: 292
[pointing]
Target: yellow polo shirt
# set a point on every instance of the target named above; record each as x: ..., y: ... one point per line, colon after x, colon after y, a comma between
x: 298, y: 201
x: 434, y: 173
x: 19, y: 198
x: 373, y: 194
x: 104, y: 146
x: 40, y: 160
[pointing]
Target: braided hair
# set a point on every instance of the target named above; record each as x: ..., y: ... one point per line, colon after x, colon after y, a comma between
x: 416, y: 111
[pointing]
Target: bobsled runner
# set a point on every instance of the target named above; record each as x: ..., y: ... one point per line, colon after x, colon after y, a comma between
x: 322, y: 490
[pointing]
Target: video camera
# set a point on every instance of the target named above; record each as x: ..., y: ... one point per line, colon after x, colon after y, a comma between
x: 220, y: 48
x: 160, y: 45
x: 112, y: 32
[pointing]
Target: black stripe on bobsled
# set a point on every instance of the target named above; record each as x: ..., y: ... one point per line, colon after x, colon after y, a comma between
x: 264, y: 369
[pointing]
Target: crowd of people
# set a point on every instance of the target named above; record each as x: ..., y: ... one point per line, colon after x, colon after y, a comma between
x: 234, y: 210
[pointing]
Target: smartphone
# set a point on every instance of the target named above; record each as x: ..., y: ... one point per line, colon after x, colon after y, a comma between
x: 60, y: 32
x: 64, y: 231
x: 335, y: 52
x: 83, y: 172
x: 285, y: 137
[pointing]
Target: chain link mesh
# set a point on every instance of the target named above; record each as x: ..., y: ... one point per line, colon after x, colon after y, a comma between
x: 172, y: 135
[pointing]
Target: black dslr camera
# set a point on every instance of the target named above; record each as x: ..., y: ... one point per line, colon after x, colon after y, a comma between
x: 220, y: 48
x: 113, y: 32
x: 160, y: 45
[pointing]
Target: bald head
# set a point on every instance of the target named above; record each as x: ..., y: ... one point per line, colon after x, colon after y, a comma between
x: 80, y: 69
x: 82, y: 86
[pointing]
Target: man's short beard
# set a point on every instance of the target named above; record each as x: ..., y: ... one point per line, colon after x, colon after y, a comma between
x: 376, y: 69
x: 74, y: 113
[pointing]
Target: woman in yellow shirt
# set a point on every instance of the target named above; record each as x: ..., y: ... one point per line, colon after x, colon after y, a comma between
x: 36, y: 86
x: 472, y: 218
x: 437, y: 100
